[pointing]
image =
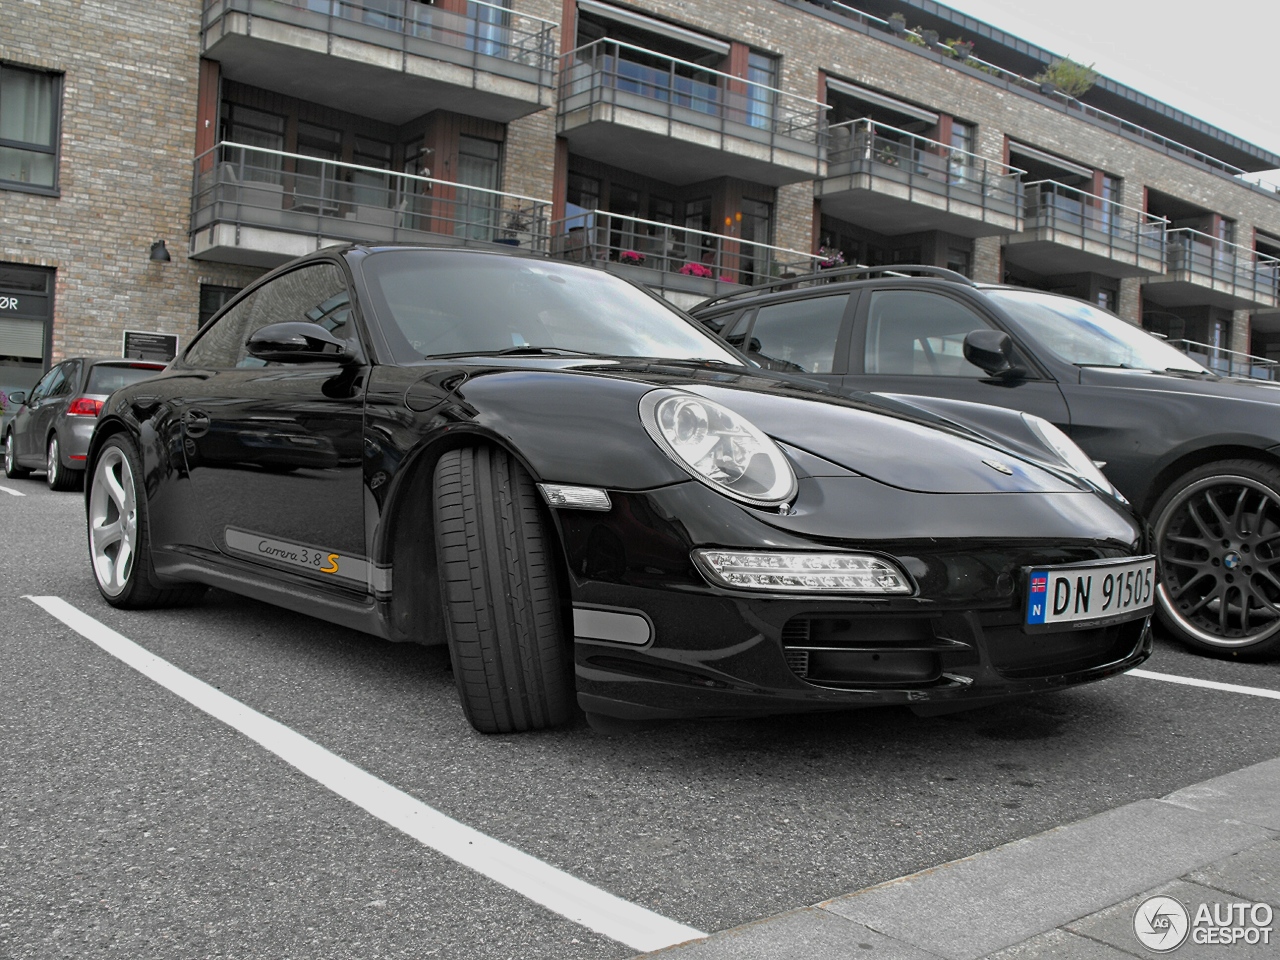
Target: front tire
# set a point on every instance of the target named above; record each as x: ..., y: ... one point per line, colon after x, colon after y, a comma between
x: 120, y: 533
x: 11, y: 468
x: 512, y: 662
x: 1217, y: 533
x: 56, y: 475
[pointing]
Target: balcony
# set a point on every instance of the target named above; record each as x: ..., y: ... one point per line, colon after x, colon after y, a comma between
x: 1203, y: 270
x: 895, y: 182
x: 262, y: 207
x: 1070, y: 231
x: 683, y: 265
x: 391, y: 60
x: 683, y: 123
x: 1229, y: 363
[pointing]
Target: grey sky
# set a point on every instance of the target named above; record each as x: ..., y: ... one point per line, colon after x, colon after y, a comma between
x: 1213, y: 61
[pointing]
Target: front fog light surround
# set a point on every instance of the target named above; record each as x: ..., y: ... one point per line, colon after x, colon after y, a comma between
x: 718, y: 447
x: 856, y: 573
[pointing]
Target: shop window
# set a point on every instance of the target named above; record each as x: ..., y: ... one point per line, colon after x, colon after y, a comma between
x: 29, y: 114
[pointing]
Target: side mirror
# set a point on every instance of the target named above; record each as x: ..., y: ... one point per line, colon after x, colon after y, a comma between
x: 18, y: 396
x: 298, y: 342
x: 992, y: 351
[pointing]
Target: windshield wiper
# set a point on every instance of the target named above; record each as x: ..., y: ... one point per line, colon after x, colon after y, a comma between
x: 1198, y: 373
x: 525, y: 351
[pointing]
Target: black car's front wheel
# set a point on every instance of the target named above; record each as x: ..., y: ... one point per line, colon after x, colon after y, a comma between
x: 512, y: 662
x: 1217, y: 533
x: 120, y: 530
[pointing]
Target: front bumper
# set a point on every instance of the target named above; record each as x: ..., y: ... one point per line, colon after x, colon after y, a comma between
x: 697, y: 650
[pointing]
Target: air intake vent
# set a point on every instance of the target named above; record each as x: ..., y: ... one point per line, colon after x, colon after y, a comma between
x: 798, y: 662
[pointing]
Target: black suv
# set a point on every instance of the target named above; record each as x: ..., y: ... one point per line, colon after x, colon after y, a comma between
x: 1196, y: 453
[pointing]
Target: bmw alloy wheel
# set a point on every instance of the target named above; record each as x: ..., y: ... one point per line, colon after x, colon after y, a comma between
x: 1218, y: 536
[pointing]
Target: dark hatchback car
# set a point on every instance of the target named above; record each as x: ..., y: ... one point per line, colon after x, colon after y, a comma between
x: 1196, y: 453
x: 51, y: 428
x: 597, y: 504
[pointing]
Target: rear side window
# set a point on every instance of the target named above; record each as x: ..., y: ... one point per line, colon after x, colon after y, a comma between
x: 921, y: 334
x: 104, y: 378
x: 799, y: 336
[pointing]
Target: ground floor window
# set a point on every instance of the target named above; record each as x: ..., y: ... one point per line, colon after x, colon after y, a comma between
x: 26, y: 313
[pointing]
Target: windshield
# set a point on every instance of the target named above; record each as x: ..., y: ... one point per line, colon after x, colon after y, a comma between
x: 1077, y: 332
x: 445, y: 303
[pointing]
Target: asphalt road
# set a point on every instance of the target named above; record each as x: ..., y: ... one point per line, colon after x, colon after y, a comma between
x: 133, y: 824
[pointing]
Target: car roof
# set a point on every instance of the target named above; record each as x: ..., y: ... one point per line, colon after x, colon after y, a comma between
x: 838, y: 276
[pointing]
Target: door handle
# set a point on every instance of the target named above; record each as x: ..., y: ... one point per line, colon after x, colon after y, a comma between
x: 195, y: 423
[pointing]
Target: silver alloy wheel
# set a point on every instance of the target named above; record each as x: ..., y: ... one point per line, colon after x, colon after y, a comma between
x: 51, y: 463
x: 1219, y: 547
x: 10, y: 463
x: 113, y: 521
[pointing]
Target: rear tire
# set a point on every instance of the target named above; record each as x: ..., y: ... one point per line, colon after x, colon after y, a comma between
x: 11, y: 468
x: 512, y: 662
x: 120, y: 533
x: 57, y: 476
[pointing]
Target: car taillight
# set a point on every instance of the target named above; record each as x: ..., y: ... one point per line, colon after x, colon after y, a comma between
x: 84, y: 407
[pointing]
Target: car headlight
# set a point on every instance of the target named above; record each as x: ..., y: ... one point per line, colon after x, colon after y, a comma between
x: 719, y: 447
x: 1069, y: 452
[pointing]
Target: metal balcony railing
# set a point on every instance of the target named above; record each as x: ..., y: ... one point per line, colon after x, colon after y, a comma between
x: 606, y: 70
x: 1016, y: 80
x: 289, y: 192
x: 486, y: 29
x: 1126, y: 230
x: 864, y: 146
x: 1229, y: 363
x: 596, y: 236
x: 1218, y: 261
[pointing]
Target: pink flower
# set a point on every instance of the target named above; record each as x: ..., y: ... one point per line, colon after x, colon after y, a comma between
x: 695, y: 270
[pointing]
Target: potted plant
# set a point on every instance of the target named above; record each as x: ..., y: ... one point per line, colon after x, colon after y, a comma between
x: 930, y: 37
x: 694, y: 269
x: 897, y: 23
x: 830, y: 257
x: 517, y: 222
x: 631, y: 256
x: 961, y: 49
x: 1067, y: 76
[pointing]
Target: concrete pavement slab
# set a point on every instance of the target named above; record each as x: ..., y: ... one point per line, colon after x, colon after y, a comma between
x: 1252, y: 875
x: 1247, y: 795
x: 970, y: 908
x: 1060, y: 945
x: 1114, y: 926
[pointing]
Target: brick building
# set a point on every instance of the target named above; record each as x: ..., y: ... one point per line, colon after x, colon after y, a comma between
x: 154, y: 158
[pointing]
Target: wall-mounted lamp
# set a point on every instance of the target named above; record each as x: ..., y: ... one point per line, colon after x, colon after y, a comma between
x: 159, y: 253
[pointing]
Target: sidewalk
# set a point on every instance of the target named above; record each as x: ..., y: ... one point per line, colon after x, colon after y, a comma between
x: 1070, y: 892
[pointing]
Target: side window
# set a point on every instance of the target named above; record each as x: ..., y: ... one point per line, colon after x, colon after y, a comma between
x: 69, y: 378
x: 41, y: 389
x: 316, y: 293
x: 799, y: 336
x: 917, y: 333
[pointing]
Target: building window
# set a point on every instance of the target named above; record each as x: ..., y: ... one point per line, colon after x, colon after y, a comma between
x: 367, y: 186
x: 960, y: 160
x: 761, y: 69
x: 960, y: 260
x: 253, y: 128
x: 29, y: 102
x: 212, y: 299
x: 1108, y: 299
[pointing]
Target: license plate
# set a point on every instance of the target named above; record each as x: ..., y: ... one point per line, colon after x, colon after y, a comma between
x: 1089, y: 592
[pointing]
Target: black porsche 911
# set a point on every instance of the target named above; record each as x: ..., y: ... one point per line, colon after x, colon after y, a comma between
x: 597, y: 504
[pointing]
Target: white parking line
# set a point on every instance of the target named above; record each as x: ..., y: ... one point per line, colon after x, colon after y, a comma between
x: 12, y: 493
x: 1207, y: 684
x: 542, y: 883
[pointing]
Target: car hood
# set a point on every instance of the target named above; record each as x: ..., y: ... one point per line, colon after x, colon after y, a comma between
x: 1226, y: 388
x: 892, y: 443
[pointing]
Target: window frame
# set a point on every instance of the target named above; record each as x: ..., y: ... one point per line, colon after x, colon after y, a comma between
x: 54, y: 150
